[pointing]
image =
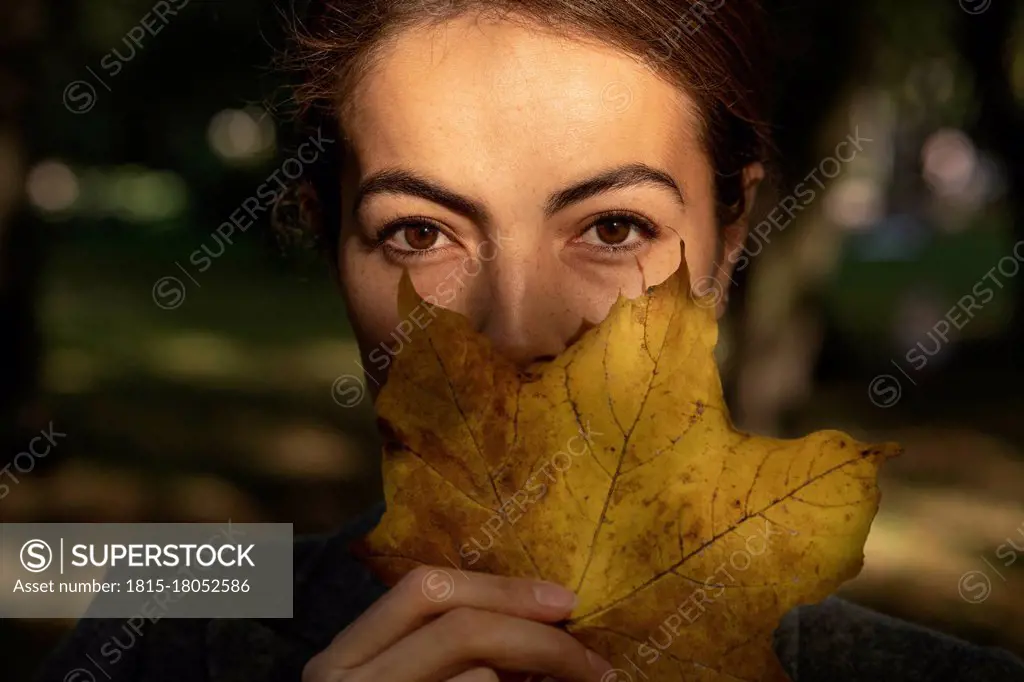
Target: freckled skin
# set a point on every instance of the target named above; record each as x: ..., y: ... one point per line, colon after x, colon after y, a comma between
x: 507, y: 115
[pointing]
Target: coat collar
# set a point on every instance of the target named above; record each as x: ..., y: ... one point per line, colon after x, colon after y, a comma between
x: 332, y: 588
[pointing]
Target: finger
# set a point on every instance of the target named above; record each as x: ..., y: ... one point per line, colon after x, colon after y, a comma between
x: 426, y: 592
x: 476, y: 675
x: 505, y: 676
x: 462, y: 639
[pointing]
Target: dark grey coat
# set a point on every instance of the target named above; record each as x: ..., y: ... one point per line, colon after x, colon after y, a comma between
x: 834, y: 641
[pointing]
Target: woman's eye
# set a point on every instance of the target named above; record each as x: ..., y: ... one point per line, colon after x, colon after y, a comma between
x: 618, y: 233
x: 415, y: 239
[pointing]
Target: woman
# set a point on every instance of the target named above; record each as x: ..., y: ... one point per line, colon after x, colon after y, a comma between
x: 520, y: 163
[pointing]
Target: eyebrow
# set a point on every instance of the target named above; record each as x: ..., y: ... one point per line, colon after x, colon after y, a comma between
x: 400, y: 181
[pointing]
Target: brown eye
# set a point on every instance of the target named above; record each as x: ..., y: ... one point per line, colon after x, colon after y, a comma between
x: 414, y: 238
x: 619, y: 232
x: 613, y: 230
x: 420, y: 237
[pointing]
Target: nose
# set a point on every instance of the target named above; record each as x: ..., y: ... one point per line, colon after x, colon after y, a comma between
x: 523, y: 308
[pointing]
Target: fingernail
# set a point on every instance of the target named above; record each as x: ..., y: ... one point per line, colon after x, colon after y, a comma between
x: 550, y: 594
x: 597, y: 663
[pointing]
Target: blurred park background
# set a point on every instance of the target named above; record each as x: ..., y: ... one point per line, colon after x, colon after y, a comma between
x: 215, y: 401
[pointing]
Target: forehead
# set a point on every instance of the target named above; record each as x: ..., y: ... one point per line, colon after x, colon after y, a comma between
x: 491, y: 99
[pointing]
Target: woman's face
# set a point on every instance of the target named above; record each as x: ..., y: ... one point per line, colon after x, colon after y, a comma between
x: 525, y: 180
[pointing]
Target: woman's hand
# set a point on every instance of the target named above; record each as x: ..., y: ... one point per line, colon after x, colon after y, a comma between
x: 428, y: 629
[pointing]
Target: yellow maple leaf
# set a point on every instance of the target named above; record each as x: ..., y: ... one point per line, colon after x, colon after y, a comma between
x: 615, y: 470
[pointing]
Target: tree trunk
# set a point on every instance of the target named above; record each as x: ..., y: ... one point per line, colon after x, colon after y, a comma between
x: 984, y: 44
x: 21, y: 25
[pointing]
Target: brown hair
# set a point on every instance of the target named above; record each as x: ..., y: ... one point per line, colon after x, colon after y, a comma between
x: 714, y: 49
